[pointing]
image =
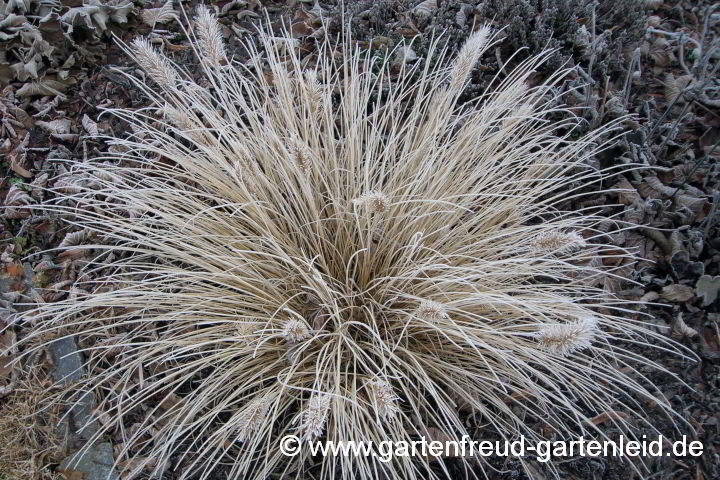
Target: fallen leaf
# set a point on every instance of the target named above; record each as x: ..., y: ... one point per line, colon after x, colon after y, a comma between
x: 677, y: 293
x: 137, y: 464
x: 7, y: 340
x: 681, y: 329
x: 15, y: 201
x: 90, y: 126
x: 44, y: 87
x: 710, y: 342
x: 162, y: 15
x: 71, y: 474
x: 74, y: 239
x: 612, y: 415
x: 425, y: 9
x: 433, y: 434
x: 59, y: 126
x: 707, y: 287
x: 170, y: 401
x: 15, y: 269
x: 8, y: 374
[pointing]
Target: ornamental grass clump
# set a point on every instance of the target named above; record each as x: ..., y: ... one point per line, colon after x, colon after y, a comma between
x: 335, y: 247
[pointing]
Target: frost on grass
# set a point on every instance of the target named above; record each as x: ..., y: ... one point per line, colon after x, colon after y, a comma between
x: 328, y: 250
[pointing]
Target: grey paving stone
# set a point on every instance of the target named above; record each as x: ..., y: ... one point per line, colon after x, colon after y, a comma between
x: 96, y: 463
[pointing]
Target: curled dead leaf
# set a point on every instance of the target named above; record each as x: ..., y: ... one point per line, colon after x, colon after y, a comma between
x: 60, y: 126
x: 90, y: 126
x: 680, y: 329
x: 56, y: 291
x: 75, y: 238
x: 162, y: 15
x: 425, y: 8
x: 38, y: 186
x: 15, y: 269
x: 45, y: 86
x: 677, y: 293
x: 674, y: 87
x: 16, y: 202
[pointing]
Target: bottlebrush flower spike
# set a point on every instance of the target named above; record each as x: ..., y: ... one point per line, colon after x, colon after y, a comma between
x: 384, y: 399
x: 155, y: 64
x: 375, y: 201
x: 295, y: 331
x: 431, y: 311
x: 558, y: 243
x: 300, y: 155
x: 209, y: 36
x: 468, y: 57
x: 567, y: 338
x: 251, y: 418
x: 315, y: 416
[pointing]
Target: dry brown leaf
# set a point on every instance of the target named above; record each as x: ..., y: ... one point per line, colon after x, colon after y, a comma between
x: 137, y: 463
x: 38, y: 185
x: 18, y: 156
x: 162, y: 15
x: 90, y: 126
x: 425, y: 8
x: 461, y: 17
x: 70, y: 255
x: 15, y: 166
x: 170, y: 401
x: 433, y: 434
x: 661, y: 52
x: 7, y: 340
x: 681, y: 329
x: 75, y: 238
x: 675, y: 86
x: 15, y: 201
x: 56, y: 291
x: 15, y: 269
x: 60, y: 126
x: 516, y: 396
x: 607, y: 416
x: 66, y: 137
x: 694, y: 204
x: 44, y: 87
x: 677, y: 293
x: 710, y: 342
x: 71, y: 474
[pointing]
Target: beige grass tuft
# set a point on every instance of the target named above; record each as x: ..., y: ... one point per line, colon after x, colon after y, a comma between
x: 321, y: 248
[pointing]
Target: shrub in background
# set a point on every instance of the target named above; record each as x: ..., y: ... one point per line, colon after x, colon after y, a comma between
x: 314, y: 246
x: 530, y: 27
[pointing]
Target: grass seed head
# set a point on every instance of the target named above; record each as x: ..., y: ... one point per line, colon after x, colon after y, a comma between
x: 251, y: 418
x: 374, y: 201
x: 384, y: 399
x: 431, y: 311
x: 566, y: 338
x: 156, y: 65
x: 209, y: 37
x: 558, y: 242
x: 295, y: 331
x: 315, y: 416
